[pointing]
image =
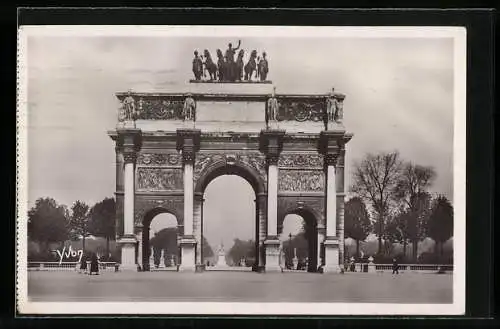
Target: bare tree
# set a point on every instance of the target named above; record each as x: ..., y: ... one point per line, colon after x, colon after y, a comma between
x: 375, y: 180
x: 412, y: 191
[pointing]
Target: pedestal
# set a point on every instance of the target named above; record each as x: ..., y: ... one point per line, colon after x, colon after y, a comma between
x: 295, y: 263
x: 332, y: 264
x: 128, y: 253
x: 272, y: 255
x: 188, y: 246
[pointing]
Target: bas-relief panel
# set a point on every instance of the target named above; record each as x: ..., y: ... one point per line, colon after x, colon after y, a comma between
x: 301, y: 160
x: 159, y: 159
x: 298, y: 110
x: 154, y: 108
x: 159, y: 179
x: 301, y: 180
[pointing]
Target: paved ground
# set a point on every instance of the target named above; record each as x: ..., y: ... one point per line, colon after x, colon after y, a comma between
x: 241, y: 287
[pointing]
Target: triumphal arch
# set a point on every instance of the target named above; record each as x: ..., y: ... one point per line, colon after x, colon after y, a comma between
x: 289, y: 147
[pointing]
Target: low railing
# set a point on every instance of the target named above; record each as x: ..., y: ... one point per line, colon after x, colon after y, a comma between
x: 371, y: 267
x: 67, y: 266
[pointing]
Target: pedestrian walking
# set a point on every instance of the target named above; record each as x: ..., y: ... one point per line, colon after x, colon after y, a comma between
x: 94, y: 264
x: 395, y: 266
x: 83, y: 265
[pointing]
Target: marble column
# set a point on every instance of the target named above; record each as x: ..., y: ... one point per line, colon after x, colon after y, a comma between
x: 332, y: 255
x: 139, y: 236
x: 271, y: 144
x: 198, y: 229
x: 262, y: 230
x: 188, y: 143
x: 128, y: 240
x: 339, y: 173
x: 321, y: 241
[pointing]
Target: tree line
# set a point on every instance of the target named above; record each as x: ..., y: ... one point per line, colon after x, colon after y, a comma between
x: 392, y: 200
x: 50, y: 222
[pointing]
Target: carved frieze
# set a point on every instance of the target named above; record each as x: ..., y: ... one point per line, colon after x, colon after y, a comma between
x: 255, y: 160
x: 172, y: 204
x: 301, y: 180
x: 159, y: 109
x: 159, y: 159
x: 301, y: 110
x: 159, y: 179
x: 301, y: 160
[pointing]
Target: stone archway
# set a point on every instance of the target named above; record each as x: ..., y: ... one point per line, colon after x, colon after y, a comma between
x: 230, y: 165
x: 293, y: 158
x: 144, y: 243
x: 311, y: 233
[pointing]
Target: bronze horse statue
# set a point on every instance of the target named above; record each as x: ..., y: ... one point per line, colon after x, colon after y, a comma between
x: 251, y: 66
x: 238, y: 72
x: 209, y: 65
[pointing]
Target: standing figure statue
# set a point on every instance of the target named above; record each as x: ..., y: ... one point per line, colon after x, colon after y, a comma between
x: 272, y: 109
x: 210, y: 65
x: 264, y: 67
x: 189, y: 108
x: 251, y: 66
x: 334, y: 107
x: 221, y: 64
x: 197, y: 66
x: 239, y: 66
x: 129, y: 107
x: 231, y: 76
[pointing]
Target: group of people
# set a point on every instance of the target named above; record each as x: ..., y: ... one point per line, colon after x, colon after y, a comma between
x: 94, y: 265
x: 229, y: 69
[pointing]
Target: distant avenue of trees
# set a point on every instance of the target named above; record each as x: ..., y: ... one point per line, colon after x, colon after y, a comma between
x: 393, y: 202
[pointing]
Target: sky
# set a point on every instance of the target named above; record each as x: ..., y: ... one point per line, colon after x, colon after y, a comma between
x: 399, y: 96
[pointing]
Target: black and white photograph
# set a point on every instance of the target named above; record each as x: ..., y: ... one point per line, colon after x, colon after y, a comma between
x: 241, y: 170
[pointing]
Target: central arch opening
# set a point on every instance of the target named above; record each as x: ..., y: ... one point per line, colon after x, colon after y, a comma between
x: 229, y: 222
x: 229, y: 217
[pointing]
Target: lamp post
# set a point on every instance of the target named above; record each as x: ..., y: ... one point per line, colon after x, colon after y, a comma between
x: 290, y: 256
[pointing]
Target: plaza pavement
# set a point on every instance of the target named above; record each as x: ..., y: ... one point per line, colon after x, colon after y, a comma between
x: 241, y: 287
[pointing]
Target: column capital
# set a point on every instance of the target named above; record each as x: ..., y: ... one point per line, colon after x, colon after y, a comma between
x: 271, y: 144
x: 331, y: 159
x: 188, y: 142
x: 129, y: 142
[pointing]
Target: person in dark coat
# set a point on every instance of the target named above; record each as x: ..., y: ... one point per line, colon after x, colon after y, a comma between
x: 83, y: 264
x: 395, y: 266
x: 94, y: 264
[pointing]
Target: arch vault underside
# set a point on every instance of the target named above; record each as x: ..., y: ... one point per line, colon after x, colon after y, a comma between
x: 164, y: 163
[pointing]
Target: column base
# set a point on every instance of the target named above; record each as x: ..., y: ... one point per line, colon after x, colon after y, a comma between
x: 332, y: 263
x: 272, y: 255
x: 128, y: 263
x: 200, y: 268
x: 188, y: 250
